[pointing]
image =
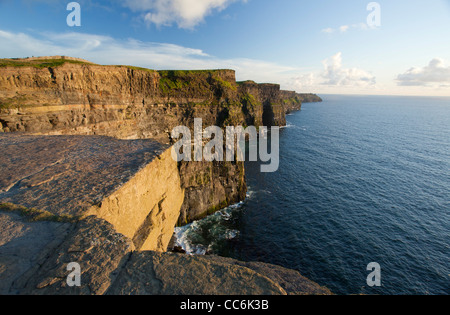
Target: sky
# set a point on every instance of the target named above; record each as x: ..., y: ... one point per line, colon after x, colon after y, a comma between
x: 399, y: 47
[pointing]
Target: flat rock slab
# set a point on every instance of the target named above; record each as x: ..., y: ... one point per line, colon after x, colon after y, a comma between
x: 92, y: 243
x: 23, y: 244
x: 66, y: 175
x: 34, y: 257
x: 150, y: 273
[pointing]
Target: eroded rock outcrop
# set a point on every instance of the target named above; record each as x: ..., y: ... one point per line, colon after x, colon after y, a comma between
x: 134, y: 185
x: 209, y: 187
x: 309, y: 98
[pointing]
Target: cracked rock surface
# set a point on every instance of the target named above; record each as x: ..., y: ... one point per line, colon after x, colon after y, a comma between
x: 37, y: 265
x: 68, y: 174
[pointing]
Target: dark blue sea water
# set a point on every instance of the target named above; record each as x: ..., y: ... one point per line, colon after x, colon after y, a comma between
x: 361, y: 180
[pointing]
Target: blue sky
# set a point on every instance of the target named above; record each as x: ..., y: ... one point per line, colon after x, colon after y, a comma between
x: 321, y: 46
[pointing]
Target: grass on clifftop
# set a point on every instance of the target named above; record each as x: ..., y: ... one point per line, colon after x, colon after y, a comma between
x: 137, y: 68
x: 39, y: 64
x: 36, y: 215
x: 195, y: 82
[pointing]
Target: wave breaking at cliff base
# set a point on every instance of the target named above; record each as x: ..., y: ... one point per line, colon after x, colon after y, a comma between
x: 210, y: 235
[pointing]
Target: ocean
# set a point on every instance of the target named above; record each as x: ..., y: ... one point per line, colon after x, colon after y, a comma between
x: 362, y: 179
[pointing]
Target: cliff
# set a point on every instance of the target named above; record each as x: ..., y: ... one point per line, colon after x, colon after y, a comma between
x: 309, y: 98
x: 131, y: 103
x: 87, y: 177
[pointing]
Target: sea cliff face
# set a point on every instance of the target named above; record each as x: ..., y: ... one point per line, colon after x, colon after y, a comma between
x: 309, y: 98
x: 131, y: 103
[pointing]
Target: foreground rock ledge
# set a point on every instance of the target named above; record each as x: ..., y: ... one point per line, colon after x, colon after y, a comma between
x: 134, y: 185
x: 110, y: 206
x: 34, y: 257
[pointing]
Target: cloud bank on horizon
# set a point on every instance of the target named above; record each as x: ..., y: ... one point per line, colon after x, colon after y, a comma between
x: 435, y: 73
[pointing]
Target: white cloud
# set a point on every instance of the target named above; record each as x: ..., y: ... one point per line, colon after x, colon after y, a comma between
x: 336, y: 74
x: 97, y: 48
x: 328, y: 30
x: 436, y: 74
x: 184, y: 13
x: 345, y: 28
x: 334, y: 78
